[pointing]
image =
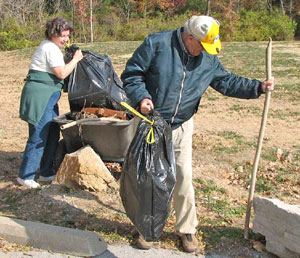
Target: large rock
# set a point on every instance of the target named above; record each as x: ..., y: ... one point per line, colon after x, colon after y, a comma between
x: 84, y: 169
x: 280, y: 224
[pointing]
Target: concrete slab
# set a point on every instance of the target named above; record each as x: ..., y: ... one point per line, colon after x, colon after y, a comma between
x: 114, y: 251
x: 48, y: 237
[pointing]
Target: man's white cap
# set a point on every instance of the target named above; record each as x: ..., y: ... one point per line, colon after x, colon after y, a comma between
x: 206, y: 30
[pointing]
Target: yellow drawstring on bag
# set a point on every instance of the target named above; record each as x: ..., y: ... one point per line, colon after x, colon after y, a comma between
x: 150, y: 136
x: 68, y: 44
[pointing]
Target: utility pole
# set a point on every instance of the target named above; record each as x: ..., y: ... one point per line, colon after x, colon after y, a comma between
x: 91, y: 20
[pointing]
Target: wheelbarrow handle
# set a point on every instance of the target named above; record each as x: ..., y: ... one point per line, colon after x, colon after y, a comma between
x: 73, y: 123
x: 68, y: 125
x: 103, y: 119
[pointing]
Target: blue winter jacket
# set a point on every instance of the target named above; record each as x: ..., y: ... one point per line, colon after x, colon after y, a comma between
x: 162, y: 70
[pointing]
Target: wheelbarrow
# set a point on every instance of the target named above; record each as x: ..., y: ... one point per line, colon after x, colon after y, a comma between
x: 109, y: 138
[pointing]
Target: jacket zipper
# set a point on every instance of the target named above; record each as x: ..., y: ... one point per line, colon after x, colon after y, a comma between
x: 180, y: 94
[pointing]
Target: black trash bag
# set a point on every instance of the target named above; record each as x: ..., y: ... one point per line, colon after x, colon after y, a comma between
x: 148, y: 178
x: 93, y: 83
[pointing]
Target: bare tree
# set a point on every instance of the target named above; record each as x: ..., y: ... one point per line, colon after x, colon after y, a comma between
x: 126, y: 7
x: 20, y: 11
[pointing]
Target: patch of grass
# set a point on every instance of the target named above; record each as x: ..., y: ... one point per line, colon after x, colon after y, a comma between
x: 112, y: 48
x: 244, y: 59
x: 210, y: 187
x: 269, y: 154
x: 263, y: 184
x: 235, y: 144
x: 284, y: 114
x: 249, y: 60
x: 249, y: 109
x: 116, y: 237
x: 24, y: 53
x: 199, y: 181
x: 212, y: 98
x: 230, y: 135
x: 214, y: 199
x: 226, y: 149
x: 285, y: 72
x: 213, y: 235
x: 284, y: 60
x: 275, y: 177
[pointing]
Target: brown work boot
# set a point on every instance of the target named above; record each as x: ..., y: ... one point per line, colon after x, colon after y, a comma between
x: 141, y: 243
x: 189, y: 242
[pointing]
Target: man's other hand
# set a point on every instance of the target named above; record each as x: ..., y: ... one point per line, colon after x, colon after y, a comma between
x: 146, y: 106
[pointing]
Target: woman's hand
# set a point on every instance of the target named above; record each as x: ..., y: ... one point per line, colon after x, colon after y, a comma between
x: 78, y: 55
x: 63, y: 71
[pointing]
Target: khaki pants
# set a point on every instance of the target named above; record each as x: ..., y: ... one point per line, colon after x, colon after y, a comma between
x: 184, y: 195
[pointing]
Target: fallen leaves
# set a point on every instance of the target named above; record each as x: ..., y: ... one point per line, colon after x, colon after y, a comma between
x: 12, y: 247
x: 258, y: 246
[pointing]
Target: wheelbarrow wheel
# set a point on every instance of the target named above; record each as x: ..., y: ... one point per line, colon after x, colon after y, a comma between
x: 60, y: 153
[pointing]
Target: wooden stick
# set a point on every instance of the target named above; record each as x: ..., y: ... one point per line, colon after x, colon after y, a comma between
x: 260, y: 139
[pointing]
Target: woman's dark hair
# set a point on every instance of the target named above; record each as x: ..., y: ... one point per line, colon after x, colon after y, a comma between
x: 56, y: 26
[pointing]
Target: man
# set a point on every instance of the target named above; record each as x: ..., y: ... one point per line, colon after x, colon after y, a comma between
x: 169, y: 72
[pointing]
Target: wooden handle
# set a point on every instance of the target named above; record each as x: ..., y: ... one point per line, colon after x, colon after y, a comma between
x: 260, y: 140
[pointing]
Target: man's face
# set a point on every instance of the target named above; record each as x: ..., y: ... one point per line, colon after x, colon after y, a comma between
x: 193, y: 46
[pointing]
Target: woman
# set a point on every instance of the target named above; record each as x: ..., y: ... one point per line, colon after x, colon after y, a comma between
x: 39, y: 99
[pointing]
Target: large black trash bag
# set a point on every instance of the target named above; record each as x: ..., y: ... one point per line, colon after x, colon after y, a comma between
x: 148, y: 178
x: 93, y: 83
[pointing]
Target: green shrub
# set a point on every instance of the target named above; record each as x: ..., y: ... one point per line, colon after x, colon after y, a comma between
x: 141, y: 28
x: 247, y: 26
x: 13, y: 36
x: 131, y: 31
x: 259, y: 26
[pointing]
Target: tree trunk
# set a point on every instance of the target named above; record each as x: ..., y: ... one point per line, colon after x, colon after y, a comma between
x: 128, y: 11
x: 145, y: 16
x: 207, y: 11
x: 282, y: 7
x: 291, y: 8
x: 269, y: 6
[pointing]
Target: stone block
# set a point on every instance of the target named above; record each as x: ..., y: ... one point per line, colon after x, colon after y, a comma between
x: 280, y: 224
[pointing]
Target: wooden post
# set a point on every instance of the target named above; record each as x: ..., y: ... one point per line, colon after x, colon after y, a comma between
x: 260, y: 139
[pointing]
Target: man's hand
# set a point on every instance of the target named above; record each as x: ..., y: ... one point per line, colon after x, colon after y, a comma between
x: 146, y: 106
x: 268, y: 85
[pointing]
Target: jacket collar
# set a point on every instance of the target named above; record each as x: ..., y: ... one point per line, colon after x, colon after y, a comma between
x: 179, y: 36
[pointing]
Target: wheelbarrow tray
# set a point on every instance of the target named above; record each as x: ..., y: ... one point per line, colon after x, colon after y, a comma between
x: 110, y: 139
